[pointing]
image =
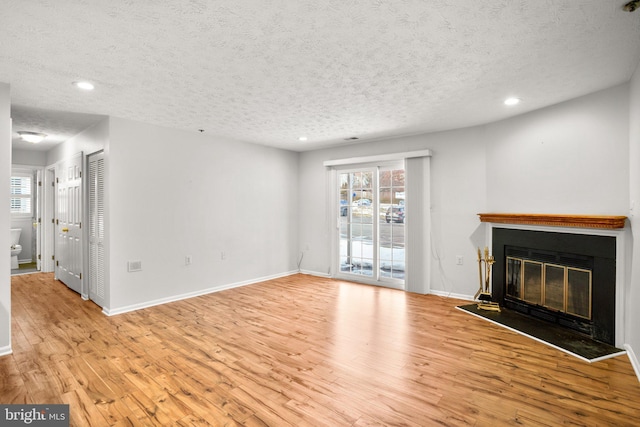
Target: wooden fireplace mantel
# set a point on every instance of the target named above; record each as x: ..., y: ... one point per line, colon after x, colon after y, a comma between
x: 585, y: 221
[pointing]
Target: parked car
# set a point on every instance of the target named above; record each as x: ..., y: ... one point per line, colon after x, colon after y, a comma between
x: 363, y: 202
x: 395, y: 214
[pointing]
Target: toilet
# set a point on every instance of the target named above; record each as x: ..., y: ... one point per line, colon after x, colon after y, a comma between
x: 15, y: 247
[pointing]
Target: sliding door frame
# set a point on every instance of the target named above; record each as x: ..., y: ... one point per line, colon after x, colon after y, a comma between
x: 418, y: 205
x: 375, y: 278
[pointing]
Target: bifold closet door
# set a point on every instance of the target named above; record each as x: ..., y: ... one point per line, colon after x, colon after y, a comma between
x: 96, y: 229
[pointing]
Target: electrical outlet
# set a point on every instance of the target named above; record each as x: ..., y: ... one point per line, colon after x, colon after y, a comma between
x: 459, y: 260
x: 223, y: 255
x: 134, y: 266
x: 187, y: 260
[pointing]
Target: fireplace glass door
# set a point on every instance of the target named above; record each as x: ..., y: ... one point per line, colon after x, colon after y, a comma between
x: 532, y: 281
x: 556, y: 287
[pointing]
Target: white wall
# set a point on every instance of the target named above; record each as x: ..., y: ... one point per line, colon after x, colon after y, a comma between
x: 568, y: 158
x: 89, y: 141
x: 571, y: 158
x: 29, y: 158
x: 633, y: 298
x: 172, y: 194
x: 5, y: 219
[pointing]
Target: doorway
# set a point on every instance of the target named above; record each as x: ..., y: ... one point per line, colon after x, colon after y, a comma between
x: 25, y: 219
x: 371, y: 224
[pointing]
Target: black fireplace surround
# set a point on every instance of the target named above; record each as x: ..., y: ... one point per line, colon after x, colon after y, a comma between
x: 600, y: 251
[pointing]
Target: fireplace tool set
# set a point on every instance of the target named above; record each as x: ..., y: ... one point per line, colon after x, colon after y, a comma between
x: 484, y: 271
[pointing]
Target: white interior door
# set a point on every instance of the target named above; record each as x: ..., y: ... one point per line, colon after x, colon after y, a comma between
x: 96, y: 230
x: 69, y: 222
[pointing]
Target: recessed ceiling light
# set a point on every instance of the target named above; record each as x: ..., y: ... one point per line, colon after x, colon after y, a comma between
x: 84, y: 85
x: 33, y: 137
x: 303, y: 139
x: 512, y: 101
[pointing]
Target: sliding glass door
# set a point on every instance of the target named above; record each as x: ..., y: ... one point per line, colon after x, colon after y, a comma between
x: 371, y: 224
x: 392, y: 225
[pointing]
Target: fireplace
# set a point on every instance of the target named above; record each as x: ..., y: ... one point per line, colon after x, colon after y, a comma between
x: 560, y: 282
x: 564, y: 277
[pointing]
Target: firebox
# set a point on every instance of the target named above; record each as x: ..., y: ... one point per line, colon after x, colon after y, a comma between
x: 551, y: 285
x: 568, y: 279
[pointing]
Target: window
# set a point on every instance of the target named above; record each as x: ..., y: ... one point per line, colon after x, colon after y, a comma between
x: 21, y: 195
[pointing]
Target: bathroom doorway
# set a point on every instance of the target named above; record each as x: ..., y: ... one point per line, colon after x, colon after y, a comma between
x: 26, y: 197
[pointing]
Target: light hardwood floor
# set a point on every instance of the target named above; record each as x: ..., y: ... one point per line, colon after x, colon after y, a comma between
x: 300, y: 351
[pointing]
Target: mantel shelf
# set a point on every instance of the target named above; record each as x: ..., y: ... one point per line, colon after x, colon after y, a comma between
x: 556, y: 220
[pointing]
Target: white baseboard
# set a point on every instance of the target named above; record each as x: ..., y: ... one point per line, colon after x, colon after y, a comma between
x: 147, y: 304
x: 315, y: 273
x: 451, y: 295
x: 6, y: 350
x: 633, y: 359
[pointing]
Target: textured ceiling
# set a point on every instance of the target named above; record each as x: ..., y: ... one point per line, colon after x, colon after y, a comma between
x: 269, y: 71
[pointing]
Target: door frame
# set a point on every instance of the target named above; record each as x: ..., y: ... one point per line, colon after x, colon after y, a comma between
x: 48, y: 220
x: 39, y: 196
x: 49, y: 229
x: 37, y: 204
x: 418, y: 253
x: 76, y: 279
x: 334, y: 195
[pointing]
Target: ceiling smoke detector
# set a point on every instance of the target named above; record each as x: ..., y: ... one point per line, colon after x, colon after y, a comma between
x: 632, y: 5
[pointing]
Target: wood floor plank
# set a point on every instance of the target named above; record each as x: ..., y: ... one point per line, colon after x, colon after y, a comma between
x: 82, y: 411
x: 299, y: 351
x: 149, y: 407
x: 12, y: 384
